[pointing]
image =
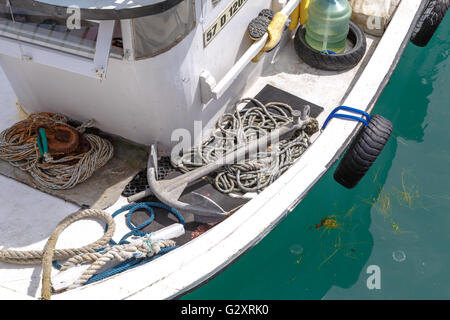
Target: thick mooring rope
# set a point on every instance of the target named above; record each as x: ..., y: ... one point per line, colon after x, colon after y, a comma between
x: 142, y: 247
x: 140, y: 250
x: 18, y: 146
x: 35, y: 256
x: 49, y: 253
x: 98, y: 254
x: 240, y: 127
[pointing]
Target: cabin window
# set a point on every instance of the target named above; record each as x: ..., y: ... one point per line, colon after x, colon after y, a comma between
x: 51, y: 32
x: 158, y: 33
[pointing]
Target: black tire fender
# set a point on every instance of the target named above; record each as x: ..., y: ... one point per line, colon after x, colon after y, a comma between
x: 364, y: 150
x: 429, y: 21
x: 332, y: 62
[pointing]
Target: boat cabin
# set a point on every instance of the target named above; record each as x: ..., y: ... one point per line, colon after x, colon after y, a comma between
x: 141, y: 69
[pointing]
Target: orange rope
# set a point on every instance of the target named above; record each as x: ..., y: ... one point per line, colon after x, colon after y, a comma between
x: 18, y: 146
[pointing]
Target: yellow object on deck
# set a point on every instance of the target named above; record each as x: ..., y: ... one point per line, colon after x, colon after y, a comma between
x: 295, y: 16
x: 275, y: 31
x: 304, y: 5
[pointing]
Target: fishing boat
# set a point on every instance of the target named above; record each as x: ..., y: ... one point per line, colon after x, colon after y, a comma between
x: 159, y: 79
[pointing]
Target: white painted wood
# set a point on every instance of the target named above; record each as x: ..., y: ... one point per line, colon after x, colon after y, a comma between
x: 207, y: 83
x: 170, y: 232
x: 127, y: 39
x: 219, y: 89
x: 64, y: 279
x: 216, y: 92
x: 9, y: 294
x: 103, y: 48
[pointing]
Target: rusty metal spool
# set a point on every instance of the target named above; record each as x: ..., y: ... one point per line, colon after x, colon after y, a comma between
x: 62, y: 139
x: 83, y: 145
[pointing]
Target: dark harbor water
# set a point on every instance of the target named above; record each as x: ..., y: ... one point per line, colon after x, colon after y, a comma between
x: 389, y: 237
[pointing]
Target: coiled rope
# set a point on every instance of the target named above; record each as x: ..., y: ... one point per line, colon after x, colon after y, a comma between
x: 35, y: 256
x: 50, y: 253
x: 240, y: 127
x: 19, y: 146
x: 141, y: 250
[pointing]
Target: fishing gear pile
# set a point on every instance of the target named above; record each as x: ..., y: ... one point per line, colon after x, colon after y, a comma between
x: 252, y: 122
x: 134, y: 249
x: 57, y: 155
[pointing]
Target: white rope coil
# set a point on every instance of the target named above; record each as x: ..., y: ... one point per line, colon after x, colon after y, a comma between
x: 240, y: 127
x: 142, y: 247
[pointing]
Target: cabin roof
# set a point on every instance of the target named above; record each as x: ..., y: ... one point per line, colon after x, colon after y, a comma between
x: 99, y: 9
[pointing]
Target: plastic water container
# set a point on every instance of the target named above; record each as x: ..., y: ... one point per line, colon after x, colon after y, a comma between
x: 328, y: 25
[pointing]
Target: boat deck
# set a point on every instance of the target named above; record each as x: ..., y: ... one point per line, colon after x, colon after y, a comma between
x: 28, y: 216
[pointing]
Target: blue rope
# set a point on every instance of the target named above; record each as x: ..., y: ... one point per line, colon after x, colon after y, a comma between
x: 135, y: 231
x: 56, y: 265
x: 333, y: 114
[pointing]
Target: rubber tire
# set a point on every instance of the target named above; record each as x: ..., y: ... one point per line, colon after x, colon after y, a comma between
x: 332, y: 62
x: 429, y: 21
x: 363, y: 152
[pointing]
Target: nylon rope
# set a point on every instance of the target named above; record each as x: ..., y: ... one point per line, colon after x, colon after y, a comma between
x: 240, y: 127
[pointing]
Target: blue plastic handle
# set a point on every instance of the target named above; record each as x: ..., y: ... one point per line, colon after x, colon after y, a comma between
x: 347, y: 116
x: 44, y: 140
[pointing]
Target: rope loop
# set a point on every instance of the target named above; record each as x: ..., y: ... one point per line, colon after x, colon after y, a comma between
x: 136, y: 230
x: 246, y: 123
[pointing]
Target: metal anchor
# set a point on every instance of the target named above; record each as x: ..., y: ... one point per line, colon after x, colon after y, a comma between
x: 169, y: 191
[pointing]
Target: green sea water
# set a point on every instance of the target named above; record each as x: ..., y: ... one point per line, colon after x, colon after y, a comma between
x: 396, y: 221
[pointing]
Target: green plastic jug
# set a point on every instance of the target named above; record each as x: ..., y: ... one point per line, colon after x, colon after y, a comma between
x: 328, y: 25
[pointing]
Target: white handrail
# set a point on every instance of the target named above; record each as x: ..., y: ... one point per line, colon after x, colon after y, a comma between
x: 212, y: 90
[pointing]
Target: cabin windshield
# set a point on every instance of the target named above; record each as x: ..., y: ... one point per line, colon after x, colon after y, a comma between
x: 158, y: 33
x: 53, y: 32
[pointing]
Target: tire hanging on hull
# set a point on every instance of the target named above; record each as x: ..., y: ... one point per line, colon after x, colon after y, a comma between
x: 363, y: 151
x: 429, y: 21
